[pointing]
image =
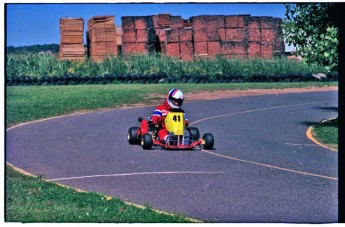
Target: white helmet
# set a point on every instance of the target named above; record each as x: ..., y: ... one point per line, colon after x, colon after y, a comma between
x: 175, y: 98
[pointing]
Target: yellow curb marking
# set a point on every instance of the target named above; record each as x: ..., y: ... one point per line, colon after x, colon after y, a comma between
x: 32, y: 175
x: 161, y: 212
x: 20, y: 170
x: 258, y: 163
x: 269, y: 166
x: 310, y: 136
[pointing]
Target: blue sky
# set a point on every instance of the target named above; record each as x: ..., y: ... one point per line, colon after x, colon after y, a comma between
x: 29, y: 24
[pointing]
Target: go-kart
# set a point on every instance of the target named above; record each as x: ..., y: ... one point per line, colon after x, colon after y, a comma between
x: 179, y: 137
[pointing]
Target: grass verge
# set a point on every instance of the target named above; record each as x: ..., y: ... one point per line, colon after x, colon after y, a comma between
x: 32, y: 199
x: 29, y: 103
x: 326, y: 132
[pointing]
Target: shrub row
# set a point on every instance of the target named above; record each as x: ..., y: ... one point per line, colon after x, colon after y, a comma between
x: 161, y: 78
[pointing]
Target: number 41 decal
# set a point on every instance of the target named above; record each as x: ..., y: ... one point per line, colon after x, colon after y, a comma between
x: 177, y: 118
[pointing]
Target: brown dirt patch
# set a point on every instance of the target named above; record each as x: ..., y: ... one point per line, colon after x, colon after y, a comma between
x: 211, y: 95
x: 219, y: 94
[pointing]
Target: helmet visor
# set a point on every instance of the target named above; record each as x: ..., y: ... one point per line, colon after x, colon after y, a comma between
x: 177, y: 102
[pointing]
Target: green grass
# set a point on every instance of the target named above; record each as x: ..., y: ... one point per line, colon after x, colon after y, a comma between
x: 32, y: 199
x: 327, y: 132
x: 35, y: 102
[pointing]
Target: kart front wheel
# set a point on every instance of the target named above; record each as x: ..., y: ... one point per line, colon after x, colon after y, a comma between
x: 208, y: 141
x: 194, y: 132
x: 146, y: 141
x: 132, y: 136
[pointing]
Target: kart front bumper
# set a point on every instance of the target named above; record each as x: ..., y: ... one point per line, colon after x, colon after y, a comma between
x: 179, y: 146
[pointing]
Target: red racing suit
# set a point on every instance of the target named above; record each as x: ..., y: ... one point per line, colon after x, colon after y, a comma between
x: 159, y: 115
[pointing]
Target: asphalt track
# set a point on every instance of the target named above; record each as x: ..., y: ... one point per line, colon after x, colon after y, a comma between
x: 263, y: 167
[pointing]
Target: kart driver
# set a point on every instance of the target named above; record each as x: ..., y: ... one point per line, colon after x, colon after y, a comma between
x: 172, y: 103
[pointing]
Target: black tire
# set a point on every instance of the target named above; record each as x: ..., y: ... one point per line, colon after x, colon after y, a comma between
x: 209, y: 141
x: 132, y: 136
x: 146, y: 141
x: 194, y: 132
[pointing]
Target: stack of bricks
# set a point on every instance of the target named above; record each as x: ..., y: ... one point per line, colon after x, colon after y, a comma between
x: 174, y: 38
x: 207, y: 35
x: 102, y: 37
x: 138, y: 35
x: 220, y: 35
x: 234, y: 36
x: 265, y: 37
x: 254, y: 37
x: 237, y: 36
x: 271, y: 37
x: 199, y: 36
x: 161, y: 33
x: 71, y: 39
x: 162, y: 29
x: 230, y: 36
x: 186, y: 43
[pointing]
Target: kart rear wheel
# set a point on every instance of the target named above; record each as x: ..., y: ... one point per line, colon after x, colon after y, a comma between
x: 209, y: 141
x: 132, y: 136
x: 194, y: 132
x: 146, y: 141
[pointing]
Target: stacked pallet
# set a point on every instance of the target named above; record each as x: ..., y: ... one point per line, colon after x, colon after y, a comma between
x: 158, y: 33
x: 200, y: 36
x: 219, y: 35
x: 238, y: 36
x: 235, y: 36
x: 214, y: 25
x: 167, y: 30
x: 138, y: 35
x: 161, y: 21
x: 186, y: 43
x: 71, y: 39
x: 175, y: 36
x: 265, y: 37
x: 102, y: 37
x: 165, y: 39
x: 279, y: 45
x: 254, y: 37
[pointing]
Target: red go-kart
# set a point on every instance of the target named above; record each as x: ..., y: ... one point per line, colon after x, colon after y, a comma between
x: 179, y: 136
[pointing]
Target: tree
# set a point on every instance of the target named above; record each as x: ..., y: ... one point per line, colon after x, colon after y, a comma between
x: 313, y: 29
x: 34, y: 48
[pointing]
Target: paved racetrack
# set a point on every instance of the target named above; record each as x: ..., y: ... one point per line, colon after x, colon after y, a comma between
x: 263, y: 167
